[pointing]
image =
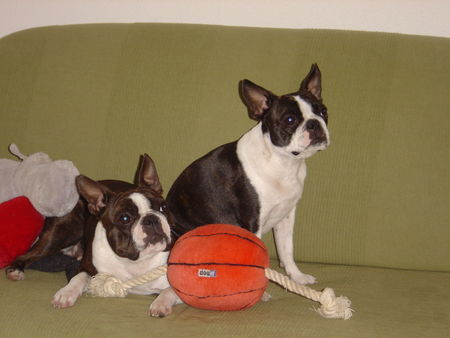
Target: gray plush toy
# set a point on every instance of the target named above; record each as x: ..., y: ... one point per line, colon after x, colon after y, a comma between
x: 49, y: 185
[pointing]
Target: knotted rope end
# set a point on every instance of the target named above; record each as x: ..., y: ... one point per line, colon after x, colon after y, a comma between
x: 105, y: 285
x: 334, y: 307
x: 331, y: 306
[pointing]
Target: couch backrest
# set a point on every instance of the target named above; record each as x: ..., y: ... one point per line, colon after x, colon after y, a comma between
x: 100, y: 95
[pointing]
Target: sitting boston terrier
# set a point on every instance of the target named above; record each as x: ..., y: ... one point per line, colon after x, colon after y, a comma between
x: 126, y: 232
x: 256, y: 181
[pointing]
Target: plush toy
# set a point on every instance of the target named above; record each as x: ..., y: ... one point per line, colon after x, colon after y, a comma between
x: 221, y: 257
x: 219, y: 268
x: 20, y: 224
x: 49, y: 185
x: 30, y: 190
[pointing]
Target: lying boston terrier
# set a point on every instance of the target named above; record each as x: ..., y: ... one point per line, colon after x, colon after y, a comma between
x: 126, y: 230
x: 256, y: 182
x: 127, y: 235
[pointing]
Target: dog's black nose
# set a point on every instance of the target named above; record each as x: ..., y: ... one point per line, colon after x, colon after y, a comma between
x: 313, y: 125
x: 316, y: 132
x: 153, y: 228
x: 150, y: 220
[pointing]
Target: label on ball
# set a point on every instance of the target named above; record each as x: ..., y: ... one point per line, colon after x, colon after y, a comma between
x: 207, y: 273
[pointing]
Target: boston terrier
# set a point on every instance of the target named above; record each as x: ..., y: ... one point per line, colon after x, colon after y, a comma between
x: 127, y: 234
x: 256, y: 181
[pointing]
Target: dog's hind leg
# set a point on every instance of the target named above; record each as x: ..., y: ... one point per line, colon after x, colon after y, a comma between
x: 58, y: 233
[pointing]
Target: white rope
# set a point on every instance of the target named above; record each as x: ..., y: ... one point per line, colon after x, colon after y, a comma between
x: 105, y: 285
x: 331, y: 306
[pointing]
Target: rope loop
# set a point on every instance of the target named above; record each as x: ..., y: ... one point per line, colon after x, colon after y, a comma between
x: 105, y: 285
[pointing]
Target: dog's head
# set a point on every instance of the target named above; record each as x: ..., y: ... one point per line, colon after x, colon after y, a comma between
x: 296, y: 124
x: 135, y: 217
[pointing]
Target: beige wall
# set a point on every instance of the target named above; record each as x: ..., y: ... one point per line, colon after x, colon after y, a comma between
x: 426, y: 17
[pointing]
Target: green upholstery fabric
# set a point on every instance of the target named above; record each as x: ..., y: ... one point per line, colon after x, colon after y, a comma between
x: 101, y: 95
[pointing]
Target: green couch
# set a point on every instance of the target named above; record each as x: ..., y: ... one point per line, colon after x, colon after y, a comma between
x: 374, y: 219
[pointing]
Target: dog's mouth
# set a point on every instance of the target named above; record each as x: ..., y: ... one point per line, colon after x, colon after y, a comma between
x: 153, y: 240
x: 313, y: 146
x: 150, y: 234
x: 156, y: 239
x: 317, y: 141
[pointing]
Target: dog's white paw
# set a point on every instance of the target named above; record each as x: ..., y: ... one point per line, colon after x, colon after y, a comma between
x: 303, y: 278
x: 15, y: 274
x: 64, y: 298
x: 162, y: 305
x: 266, y: 297
x: 68, y: 295
x: 160, y: 308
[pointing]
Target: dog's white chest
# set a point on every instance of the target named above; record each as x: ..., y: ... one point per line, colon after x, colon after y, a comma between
x: 105, y: 260
x: 277, y: 182
x: 277, y: 200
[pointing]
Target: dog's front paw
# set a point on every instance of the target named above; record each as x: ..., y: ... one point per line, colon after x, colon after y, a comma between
x: 303, y: 278
x: 14, y: 274
x: 162, y: 305
x: 160, y: 308
x: 68, y: 295
x: 64, y: 298
x: 266, y: 297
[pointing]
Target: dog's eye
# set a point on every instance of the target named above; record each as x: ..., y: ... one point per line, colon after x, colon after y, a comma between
x: 124, y: 218
x: 163, y: 207
x: 324, y: 114
x: 290, y: 120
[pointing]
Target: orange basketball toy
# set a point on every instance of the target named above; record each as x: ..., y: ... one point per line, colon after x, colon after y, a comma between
x: 218, y: 267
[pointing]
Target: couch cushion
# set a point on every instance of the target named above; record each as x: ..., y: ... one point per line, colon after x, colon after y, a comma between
x: 387, y: 303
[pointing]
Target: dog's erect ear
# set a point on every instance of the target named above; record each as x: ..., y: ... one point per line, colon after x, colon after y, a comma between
x: 313, y: 82
x: 93, y: 192
x: 257, y: 99
x: 147, y: 175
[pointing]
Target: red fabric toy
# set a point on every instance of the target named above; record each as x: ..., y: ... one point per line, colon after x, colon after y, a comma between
x: 21, y: 224
x: 218, y: 267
